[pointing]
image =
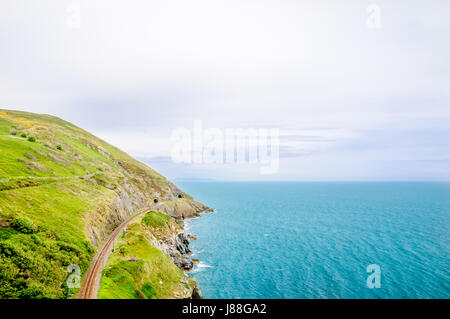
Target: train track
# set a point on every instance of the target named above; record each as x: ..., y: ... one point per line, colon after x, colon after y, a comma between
x: 89, y: 288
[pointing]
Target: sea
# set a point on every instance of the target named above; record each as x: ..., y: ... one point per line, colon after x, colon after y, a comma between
x: 322, y: 239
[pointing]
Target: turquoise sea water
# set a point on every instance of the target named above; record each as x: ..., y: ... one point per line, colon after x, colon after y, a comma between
x: 315, y: 240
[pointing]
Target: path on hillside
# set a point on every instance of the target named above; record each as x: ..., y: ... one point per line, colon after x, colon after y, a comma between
x: 91, y: 283
x: 57, y: 178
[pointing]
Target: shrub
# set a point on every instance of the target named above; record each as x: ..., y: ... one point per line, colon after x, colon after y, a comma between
x: 24, y: 225
x: 23, y: 135
x: 31, y: 139
x: 148, y: 291
x: 7, y: 249
x: 59, y: 147
x: 7, y: 291
x: 33, y: 292
x: 69, y: 247
x: 6, y: 232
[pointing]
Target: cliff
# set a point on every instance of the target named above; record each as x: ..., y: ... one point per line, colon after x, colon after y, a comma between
x: 62, y: 192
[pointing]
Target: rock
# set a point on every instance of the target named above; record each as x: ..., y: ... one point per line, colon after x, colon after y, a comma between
x: 183, y: 238
x: 177, y: 248
x: 180, y: 222
x: 183, y: 263
x: 182, y: 243
x: 30, y: 156
x: 131, y: 259
x: 197, y: 293
x: 192, y: 237
x: 195, y: 261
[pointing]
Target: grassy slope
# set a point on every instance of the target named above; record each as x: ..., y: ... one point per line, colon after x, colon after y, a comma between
x: 153, y: 275
x: 33, y: 261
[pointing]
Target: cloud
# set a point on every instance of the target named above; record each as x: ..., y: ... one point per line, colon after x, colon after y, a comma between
x: 136, y: 70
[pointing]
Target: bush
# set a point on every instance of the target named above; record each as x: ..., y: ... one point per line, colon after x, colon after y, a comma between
x: 33, y: 292
x: 148, y: 291
x: 8, y: 249
x: 23, y: 135
x: 24, y: 225
x: 59, y: 147
x: 6, y: 232
x: 31, y: 139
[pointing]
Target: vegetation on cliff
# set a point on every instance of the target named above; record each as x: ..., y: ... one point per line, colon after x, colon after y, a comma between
x: 136, y: 269
x: 62, y: 192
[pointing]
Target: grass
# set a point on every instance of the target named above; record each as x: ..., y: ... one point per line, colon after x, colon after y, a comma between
x: 5, y: 126
x: 156, y: 219
x: 22, y: 183
x: 38, y: 259
x: 153, y: 275
x: 160, y: 224
x: 13, y: 163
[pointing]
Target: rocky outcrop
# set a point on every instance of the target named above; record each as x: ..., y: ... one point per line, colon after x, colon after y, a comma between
x: 176, y: 247
x: 197, y: 293
x: 182, y: 244
x: 181, y: 208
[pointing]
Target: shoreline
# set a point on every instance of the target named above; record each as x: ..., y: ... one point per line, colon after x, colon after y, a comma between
x: 196, y: 291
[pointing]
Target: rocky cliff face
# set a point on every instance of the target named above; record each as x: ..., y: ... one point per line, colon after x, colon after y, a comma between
x: 177, y: 248
x: 133, y: 195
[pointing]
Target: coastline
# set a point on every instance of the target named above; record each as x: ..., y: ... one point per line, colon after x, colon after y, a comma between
x: 183, y: 222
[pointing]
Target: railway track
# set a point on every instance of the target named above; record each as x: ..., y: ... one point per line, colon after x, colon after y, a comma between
x: 91, y: 282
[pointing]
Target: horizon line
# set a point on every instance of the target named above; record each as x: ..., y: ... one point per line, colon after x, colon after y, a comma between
x: 310, y: 181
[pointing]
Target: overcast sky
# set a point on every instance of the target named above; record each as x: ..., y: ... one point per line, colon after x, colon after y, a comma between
x: 352, y: 102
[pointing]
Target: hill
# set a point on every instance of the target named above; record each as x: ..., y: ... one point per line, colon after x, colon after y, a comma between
x: 62, y: 193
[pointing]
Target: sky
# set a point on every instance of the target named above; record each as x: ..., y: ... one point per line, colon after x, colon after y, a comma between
x: 359, y: 90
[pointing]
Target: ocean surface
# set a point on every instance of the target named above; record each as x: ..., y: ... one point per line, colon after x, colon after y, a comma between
x: 315, y: 240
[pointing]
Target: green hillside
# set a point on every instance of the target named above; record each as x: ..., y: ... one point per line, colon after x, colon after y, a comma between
x: 62, y: 192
